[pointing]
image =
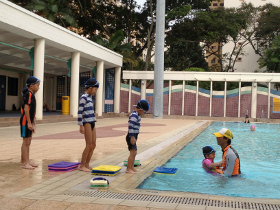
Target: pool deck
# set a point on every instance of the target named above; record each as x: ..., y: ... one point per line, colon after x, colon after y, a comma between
x: 158, y: 141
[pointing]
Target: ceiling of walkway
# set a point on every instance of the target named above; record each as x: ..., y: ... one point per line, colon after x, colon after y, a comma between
x: 14, y: 56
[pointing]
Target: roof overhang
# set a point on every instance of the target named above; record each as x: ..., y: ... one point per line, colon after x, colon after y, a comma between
x: 20, y: 27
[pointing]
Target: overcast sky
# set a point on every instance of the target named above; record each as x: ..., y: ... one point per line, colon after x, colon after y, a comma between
x: 141, y: 2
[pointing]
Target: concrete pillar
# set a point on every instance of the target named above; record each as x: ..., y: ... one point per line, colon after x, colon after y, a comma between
x: 74, y: 86
x: 239, y: 98
x: 159, y: 60
x: 225, y: 99
x: 169, y: 97
x: 129, y: 96
x: 143, y: 89
x: 117, y: 90
x: 211, y: 96
x: 183, y: 98
x: 196, y: 98
x: 268, y: 100
x: 39, y: 60
x: 99, y: 93
x: 254, y: 100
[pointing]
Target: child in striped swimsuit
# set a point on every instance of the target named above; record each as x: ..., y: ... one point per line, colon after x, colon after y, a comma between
x: 86, y: 120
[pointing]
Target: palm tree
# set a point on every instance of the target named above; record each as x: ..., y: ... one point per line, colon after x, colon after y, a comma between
x: 116, y: 43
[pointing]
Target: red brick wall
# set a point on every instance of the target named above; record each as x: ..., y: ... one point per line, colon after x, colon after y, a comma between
x: 189, y: 106
x: 232, y: 107
x: 176, y: 103
x: 203, y: 106
x: 245, y: 103
x: 217, y: 107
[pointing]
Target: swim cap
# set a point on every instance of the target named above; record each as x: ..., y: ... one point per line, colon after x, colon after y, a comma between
x: 92, y: 82
x: 208, y: 150
x: 143, y: 104
x: 224, y: 132
x: 32, y: 81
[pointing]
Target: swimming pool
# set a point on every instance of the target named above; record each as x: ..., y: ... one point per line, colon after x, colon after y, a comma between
x: 259, y: 153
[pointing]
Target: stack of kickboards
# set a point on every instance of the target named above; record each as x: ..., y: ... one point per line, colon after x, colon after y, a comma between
x: 63, y: 166
x: 99, y: 182
x: 106, y: 170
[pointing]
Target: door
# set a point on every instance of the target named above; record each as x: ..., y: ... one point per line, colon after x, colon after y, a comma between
x: 2, y: 92
x: 109, y: 90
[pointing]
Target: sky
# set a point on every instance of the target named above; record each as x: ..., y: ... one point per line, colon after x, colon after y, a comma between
x: 141, y: 2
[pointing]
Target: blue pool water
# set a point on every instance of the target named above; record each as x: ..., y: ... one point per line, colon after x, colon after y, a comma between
x: 259, y: 153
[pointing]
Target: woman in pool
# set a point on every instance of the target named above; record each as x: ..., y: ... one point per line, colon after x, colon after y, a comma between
x: 208, y: 163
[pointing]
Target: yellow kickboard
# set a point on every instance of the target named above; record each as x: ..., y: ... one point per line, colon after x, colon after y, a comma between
x: 106, y: 168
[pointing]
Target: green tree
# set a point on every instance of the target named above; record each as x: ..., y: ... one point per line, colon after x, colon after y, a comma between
x: 271, y: 58
x: 59, y: 12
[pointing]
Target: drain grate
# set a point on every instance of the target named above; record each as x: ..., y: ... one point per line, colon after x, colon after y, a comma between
x: 179, y: 200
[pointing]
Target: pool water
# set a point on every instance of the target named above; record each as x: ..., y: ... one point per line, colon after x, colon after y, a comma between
x: 259, y: 153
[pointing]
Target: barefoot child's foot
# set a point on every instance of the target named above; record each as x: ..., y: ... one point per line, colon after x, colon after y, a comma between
x: 84, y: 169
x: 135, y: 170
x: 90, y: 168
x: 130, y: 172
x: 26, y: 166
x: 33, y: 164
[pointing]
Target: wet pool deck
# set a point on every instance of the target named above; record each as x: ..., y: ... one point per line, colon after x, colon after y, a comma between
x: 158, y: 141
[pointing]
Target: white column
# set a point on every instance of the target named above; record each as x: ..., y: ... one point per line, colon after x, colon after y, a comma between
x: 39, y: 58
x: 225, y: 99
x: 183, y: 97
x: 117, y: 90
x: 143, y: 89
x: 211, y: 96
x: 74, y: 86
x: 239, y: 98
x: 169, y: 97
x: 103, y: 95
x: 129, y: 96
x: 268, y: 100
x: 196, y: 98
x: 99, y: 93
x: 254, y: 100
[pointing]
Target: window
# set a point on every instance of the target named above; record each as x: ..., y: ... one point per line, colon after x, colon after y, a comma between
x: 12, y: 86
x: 239, y: 59
x: 213, y: 60
x: 221, y: 4
x: 215, y: 4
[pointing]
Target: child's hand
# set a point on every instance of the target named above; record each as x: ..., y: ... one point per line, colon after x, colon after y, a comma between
x: 34, y: 128
x: 81, y: 129
x: 30, y: 126
x: 221, y: 162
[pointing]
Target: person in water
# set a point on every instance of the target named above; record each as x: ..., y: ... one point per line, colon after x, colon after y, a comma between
x: 247, y: 119
x: 208, y: 163
x: 253, y: 128
x: 231, y: 164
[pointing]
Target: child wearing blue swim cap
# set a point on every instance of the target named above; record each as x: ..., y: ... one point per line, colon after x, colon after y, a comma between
x: 208, y: 163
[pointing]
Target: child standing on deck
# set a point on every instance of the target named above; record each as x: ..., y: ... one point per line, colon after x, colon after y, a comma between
x: 133, y: 130
x: 208, y: 163
x: 28, y: 121
x: 86, y: 120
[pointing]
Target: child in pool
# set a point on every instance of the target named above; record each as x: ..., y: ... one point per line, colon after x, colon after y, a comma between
x: 253, y: 128
x: 208, y: 163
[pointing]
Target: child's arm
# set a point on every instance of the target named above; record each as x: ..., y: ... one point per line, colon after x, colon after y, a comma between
x: 213, y: 165
x: 26, y: 111
x: 80, y: 114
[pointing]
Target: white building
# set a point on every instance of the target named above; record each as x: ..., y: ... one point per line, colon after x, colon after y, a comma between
x: 249, y: 61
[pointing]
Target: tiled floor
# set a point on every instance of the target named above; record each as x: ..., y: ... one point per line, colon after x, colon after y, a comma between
x: 159, y: 140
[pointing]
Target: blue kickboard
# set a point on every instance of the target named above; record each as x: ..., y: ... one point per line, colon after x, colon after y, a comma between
x: 162, y: 170
x: 64, y: 164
